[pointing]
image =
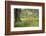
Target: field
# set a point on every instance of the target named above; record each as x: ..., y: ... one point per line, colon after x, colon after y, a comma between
x: 28, y: 19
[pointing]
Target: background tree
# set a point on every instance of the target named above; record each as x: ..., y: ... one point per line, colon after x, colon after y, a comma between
x: 17, y: 14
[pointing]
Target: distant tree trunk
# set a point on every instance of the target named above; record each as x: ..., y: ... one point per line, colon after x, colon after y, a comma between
x: 17, y: 14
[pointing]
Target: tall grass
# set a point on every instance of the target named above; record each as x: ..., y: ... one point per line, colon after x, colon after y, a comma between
x: 28, y: 20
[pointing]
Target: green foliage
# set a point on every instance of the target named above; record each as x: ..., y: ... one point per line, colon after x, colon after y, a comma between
x: 28, y: 20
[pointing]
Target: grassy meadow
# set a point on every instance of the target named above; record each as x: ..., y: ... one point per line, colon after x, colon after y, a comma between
x: 28, y: 17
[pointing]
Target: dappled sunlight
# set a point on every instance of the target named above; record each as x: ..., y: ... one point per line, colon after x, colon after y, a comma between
x: 27, y: 18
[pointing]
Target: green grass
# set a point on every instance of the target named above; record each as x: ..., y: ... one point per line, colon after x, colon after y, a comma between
x: 28, y: 21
